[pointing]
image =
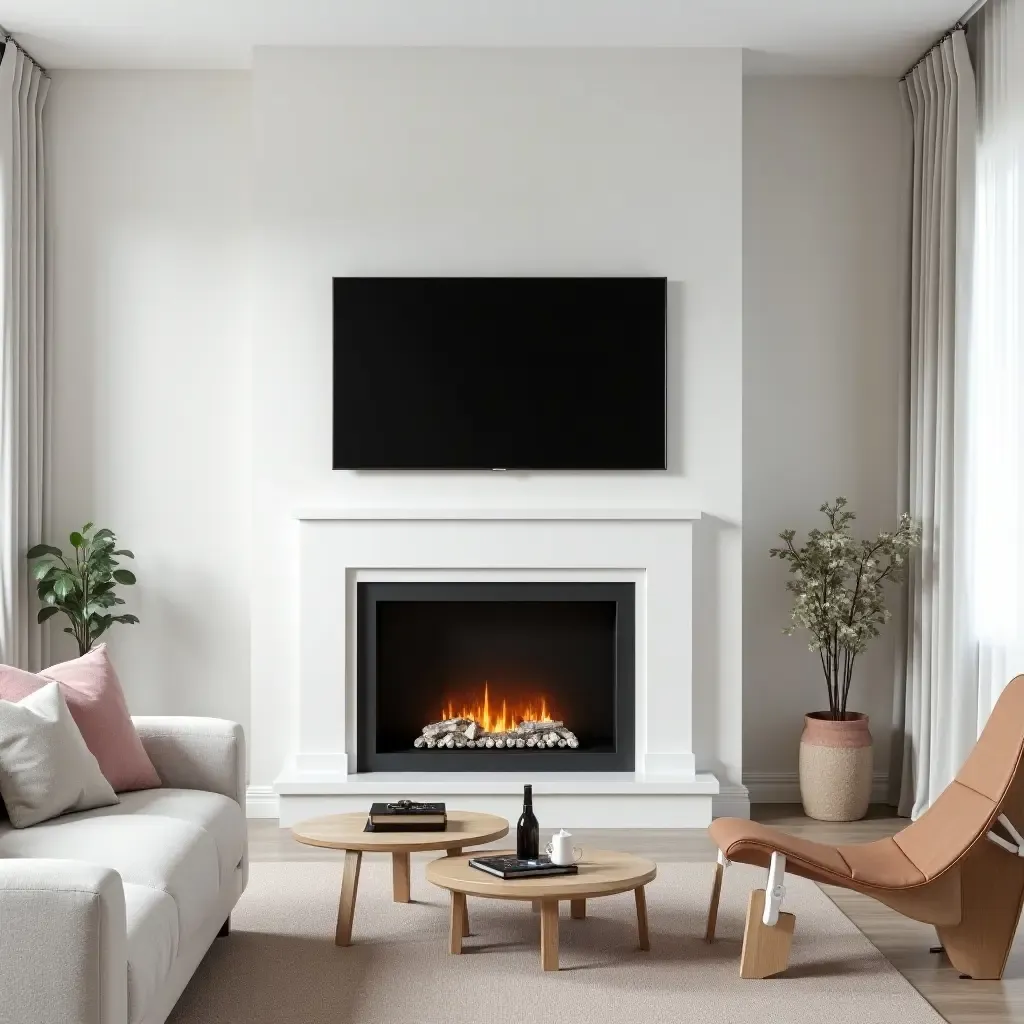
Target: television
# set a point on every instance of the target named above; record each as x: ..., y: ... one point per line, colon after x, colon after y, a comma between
x: 517, y: 373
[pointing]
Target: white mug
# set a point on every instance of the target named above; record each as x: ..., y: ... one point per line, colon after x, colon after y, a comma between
x: 561, y: 850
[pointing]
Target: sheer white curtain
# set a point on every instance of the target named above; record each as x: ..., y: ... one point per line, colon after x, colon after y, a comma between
x: 965, y: 384
x: 996, y: 478
x: 940, y: 96
x: 23, y: 329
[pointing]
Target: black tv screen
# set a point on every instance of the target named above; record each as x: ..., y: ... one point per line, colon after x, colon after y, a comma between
x: 499, y: 373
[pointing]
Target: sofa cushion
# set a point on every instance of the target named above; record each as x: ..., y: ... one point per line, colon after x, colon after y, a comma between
x: 45, y: 766
x: 96, y: 701
x: 217, y: 815
x: 152, y: 918
x: 172, y: 855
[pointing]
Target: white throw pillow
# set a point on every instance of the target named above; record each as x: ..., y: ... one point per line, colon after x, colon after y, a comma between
x: 45, y: 767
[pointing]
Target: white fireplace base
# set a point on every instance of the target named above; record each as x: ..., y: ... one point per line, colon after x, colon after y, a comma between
x: 562, y: 799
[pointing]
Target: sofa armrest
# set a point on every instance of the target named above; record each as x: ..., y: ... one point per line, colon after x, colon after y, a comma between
x: 196, y: 753
x: 63, y: 944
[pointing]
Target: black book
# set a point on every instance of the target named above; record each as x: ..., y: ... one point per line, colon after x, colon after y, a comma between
x: 509, y: 867
x: 407, y: 816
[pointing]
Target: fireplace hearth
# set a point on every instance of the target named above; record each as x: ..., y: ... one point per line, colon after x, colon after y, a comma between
x: 495, y: 676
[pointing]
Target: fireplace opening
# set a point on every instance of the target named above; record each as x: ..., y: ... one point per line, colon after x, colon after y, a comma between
x: 495, y: 676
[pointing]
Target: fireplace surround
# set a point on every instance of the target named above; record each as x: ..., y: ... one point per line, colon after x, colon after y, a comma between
x: 650, y: 550
x: 433, y: 650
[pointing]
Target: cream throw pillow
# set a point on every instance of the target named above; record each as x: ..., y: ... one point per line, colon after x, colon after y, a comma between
x: 45, y: 767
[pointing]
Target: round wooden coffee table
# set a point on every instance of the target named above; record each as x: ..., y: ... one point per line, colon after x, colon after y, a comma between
x: 601, y: 873
x: 346, y: 832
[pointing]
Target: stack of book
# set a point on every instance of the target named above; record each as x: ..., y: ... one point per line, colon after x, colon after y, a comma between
x: 509, y: 867
x: 407, y: 816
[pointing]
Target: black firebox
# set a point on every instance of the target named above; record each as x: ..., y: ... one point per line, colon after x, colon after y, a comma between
x: 552, y: 664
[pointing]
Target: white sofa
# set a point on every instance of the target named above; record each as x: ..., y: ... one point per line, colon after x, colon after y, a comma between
x: 105, y: 914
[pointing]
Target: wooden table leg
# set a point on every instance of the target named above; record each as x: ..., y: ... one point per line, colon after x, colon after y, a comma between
x: 457, y: 852
x: 400, y: 877
x: 347, y: 903
x: 641, y: 918
x: 455, y: 922
x: 578, y: 909
x: 716, y: 896
x: 549, y: 935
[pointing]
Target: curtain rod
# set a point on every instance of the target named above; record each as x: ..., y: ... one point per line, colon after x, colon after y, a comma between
x: 972, y: 11
x: 8, y: 38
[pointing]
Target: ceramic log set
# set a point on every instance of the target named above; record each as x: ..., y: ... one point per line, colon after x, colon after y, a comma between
x: 835, y: 766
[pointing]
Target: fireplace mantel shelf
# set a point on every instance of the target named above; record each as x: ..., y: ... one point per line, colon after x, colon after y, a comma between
x: 502, y: 514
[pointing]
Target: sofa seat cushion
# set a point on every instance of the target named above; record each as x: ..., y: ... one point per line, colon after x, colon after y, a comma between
x: 152, y: 918
x: 217, y: 815
x: 169, y: 854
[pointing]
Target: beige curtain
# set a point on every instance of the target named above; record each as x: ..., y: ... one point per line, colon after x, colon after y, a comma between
x: 938, y: 687
x: 23, y: 330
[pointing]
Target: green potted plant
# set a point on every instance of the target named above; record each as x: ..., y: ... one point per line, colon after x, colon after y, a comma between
x: 839, y: 598
x: 82, y: 586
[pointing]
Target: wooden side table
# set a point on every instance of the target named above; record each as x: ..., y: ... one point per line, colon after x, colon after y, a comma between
x: 346, y: 832
x: 601, y: 873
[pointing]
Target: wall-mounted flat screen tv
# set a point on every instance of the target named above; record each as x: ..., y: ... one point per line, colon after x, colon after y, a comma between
x: 499, y: 373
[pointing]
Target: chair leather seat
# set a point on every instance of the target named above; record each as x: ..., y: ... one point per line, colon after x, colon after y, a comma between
x: 750, y: 842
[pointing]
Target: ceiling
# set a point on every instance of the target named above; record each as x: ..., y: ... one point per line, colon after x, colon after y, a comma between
x: 812, y: 36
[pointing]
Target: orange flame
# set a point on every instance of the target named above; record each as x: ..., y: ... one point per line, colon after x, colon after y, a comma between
x: 493, y: 720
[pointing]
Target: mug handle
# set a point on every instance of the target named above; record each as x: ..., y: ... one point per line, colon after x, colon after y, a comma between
x: 577, y: 854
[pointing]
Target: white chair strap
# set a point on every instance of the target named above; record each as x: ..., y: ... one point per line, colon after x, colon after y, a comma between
x: 775, y: 890
x: 1016, y: 846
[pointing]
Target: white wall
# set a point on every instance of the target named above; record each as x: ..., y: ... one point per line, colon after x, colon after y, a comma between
x: 823, y: 265
x: 496, y: 162
x: 775, y: 208
x: 148, y: 179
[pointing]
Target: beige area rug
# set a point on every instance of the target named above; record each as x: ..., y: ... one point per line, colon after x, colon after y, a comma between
x: 280, y: 965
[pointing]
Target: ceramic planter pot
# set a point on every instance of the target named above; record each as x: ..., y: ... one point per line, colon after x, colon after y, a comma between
x: 835, y: 766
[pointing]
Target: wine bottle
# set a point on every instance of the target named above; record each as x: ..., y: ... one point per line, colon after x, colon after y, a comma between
x: 528, y: 829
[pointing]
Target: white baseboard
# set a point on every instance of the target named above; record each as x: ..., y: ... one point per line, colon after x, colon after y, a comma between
x: 732, y: 801
x: 261, y: 802
x: 784, y: 787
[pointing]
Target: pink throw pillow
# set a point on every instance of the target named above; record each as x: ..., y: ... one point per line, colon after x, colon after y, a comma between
x: 94, y: 696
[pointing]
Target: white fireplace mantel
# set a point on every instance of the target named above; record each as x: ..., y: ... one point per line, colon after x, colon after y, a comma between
x: 653, y: 549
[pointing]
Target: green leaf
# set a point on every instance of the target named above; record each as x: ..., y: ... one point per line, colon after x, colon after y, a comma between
x: 87, y: 527
x: 68, y: 629
x: 46, y: 613
x: 43, y: 570
x: 38, y: 550
x: 103, y: 533
x: 125, y: 576
x: 125, y: 552
x: 77, y: 540
x: 128, y: 620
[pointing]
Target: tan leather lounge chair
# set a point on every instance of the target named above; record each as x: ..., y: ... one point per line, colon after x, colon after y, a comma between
x: 959, y: 867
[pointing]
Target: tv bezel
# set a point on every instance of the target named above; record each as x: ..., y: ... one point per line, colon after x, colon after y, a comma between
x: 380, y: 467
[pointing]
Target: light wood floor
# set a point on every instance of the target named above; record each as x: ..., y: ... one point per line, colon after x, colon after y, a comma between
x: 905, y: 943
